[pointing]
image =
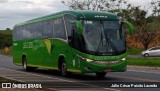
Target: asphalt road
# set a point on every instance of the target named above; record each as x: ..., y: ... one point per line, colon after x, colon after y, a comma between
x: 78, y: 82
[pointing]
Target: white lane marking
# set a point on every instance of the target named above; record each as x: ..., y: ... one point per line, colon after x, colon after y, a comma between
x: 12, y: 79
x: 36, y: 75
x: 52, y: 89
x: 63, y: 80
x: 144, y: 71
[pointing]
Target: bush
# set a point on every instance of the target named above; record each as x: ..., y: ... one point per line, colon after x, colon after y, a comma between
x: 134, y: 51
x: 5, y: 40
x: 6, y: 51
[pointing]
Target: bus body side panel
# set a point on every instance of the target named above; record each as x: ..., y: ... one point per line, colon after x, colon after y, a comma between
x: 37, y: 51
x: 60, y: 48
x: 28, y: 51
x: 47, y: 60
x: 75, y: 62
x: 31, y: 49
x: 17, y: 52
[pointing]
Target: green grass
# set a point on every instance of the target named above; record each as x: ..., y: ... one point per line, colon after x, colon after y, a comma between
x: 134, y: 51
x: 153, y: 62
x: 7, y: 32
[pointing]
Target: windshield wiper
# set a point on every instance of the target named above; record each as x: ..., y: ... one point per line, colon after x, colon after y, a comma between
x: 101, y: 40
x: 110, y: 43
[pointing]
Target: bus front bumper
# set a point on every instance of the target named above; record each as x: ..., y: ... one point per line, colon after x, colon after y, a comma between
x: 91, y: 67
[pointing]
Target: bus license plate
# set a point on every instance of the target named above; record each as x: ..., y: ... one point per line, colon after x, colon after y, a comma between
x: 108, y: 70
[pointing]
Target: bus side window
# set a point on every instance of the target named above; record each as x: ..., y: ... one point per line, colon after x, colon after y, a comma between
x: 20, y: 32
x: 15, y: 33
x: 23, y: 32
x: 29, y: 31
x: 69, y: 18
x: 38, y: 30
x: 59, y: 30
x: 47, y: 29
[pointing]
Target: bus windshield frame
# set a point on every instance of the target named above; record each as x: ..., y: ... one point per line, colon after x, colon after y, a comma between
x: 103, y: 37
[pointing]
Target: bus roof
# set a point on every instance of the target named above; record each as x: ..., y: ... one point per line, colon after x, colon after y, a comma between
x: 81, y: 14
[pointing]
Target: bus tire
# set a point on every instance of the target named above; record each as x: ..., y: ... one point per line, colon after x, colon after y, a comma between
x: 25, y: 67
x: 63, y: 68
x: 101, y: 74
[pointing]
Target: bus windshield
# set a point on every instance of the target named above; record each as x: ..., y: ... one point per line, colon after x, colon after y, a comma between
x: 103, y: 37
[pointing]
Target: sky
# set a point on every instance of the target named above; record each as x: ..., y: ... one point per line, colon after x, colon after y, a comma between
x: 16, y: 11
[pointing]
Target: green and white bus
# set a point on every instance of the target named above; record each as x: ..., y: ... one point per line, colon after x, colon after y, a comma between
x: 72, y: 41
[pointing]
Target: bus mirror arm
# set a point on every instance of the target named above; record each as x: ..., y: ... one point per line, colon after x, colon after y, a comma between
x: 69, y: 39
x: 130, y: 26
x: 78, y: 25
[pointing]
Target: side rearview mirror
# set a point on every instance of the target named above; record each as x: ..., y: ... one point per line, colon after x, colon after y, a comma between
x: 130, y: 26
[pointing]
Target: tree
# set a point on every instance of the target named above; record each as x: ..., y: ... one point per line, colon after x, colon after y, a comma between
x: 98, y: 5
x: 8, y: 29
x: 120, y: 7
x: 5, y: 40
x: 146, y: 35
x: 146, y: 31
x: 155, y: 7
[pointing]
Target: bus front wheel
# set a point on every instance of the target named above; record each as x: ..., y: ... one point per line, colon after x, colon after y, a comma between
x: 100, y: 74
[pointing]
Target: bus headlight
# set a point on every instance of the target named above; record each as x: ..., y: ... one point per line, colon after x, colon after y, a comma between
x: 123, y: 59
x: 86, y: 59
x: 89, y: 60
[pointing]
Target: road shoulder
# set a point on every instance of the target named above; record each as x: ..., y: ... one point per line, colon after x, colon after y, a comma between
x: 143, y: 68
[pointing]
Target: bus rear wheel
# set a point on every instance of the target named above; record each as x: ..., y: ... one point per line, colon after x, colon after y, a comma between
x: 101, y: 74
x: 25, y: 67
x: 63, y: 68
